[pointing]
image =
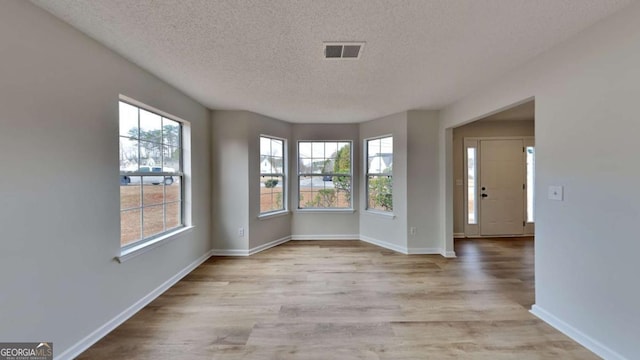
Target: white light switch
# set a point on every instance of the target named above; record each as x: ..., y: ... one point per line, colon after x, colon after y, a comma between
x: 555, y: 192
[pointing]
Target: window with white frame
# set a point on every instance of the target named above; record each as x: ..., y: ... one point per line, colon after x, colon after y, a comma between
x: 380, y: 174
x: 151, y: 177
x: 272, y: 175
x: 531, y: 176
x: 324, y: 175
x: 472, y: 179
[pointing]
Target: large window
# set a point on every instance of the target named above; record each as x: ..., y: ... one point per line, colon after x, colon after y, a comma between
x: 380, y: 174
x: 151, y: 178
x: 324, y: 174
x: 272, y: 177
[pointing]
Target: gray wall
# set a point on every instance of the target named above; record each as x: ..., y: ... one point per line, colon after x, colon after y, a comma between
x: 586, y: 92
x: 423, y: 182
x: 265, y: 230
x: 478, y: 129
x: 415, y: 184
x: 60, y: 213
x: 236, y: 187
x: 416, y: 187
x: 60, y: 218
x: 230, y: 179
x: 325, y: 225
x: 387, y: 231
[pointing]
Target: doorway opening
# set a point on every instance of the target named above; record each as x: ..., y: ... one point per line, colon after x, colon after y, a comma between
x: 494, y: 174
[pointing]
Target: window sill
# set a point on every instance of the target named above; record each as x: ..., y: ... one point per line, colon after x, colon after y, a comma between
x: 329, y: 211
x: 388, y: 215
x: 270, y: 215
x: 142, y: 248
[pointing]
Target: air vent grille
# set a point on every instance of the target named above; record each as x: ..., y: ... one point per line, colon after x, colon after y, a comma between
x: 347, y: 50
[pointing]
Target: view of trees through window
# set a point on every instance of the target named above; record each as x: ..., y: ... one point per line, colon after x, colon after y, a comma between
x: 324, y: 174
x: 150, y: 174
x: 272, y: 180
x: 379, y: 174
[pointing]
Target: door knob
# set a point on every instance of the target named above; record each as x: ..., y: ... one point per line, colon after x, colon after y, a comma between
x: 484, y: 195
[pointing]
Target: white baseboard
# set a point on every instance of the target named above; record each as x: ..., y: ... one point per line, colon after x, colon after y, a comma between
x: 105, y: 329
x: 326, y: 237
x: 577, y: 335
x: 229, y: 252
x: 497, y: 236
x: 377, y: 242
x: 458, y: 235
x: 268, y: 245
x: 370, y: 240
x: 424, y: 251
x: 431, y: 251
x: 255, y: 250
x: 384, y: 244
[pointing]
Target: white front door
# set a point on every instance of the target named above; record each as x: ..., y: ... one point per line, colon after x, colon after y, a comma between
x: 502, y: 179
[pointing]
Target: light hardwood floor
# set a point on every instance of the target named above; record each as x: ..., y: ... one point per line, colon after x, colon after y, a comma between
x: 348, y: 300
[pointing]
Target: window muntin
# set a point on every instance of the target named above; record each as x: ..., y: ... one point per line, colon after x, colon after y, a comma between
x: 380, y: 174
x: 324, y: 175
x: 272, y: 175
x: 151, y: 178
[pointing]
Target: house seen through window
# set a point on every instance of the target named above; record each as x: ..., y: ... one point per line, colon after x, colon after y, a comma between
x: 272, y: 174
x: 324, y: 175
x: 151, y: 178
x: 380, y: 174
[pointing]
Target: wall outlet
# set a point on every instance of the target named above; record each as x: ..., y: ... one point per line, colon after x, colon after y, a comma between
x: 412, y: 230
x: 241, y: 232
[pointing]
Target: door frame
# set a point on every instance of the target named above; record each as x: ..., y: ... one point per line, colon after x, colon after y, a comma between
x: 473, y: 230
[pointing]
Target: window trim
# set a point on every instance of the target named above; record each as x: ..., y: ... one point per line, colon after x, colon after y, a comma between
x: 367, y: 209
x: 143, y: 245
x: 327, y: 210
x: 384, y: 214
x: 285, y: 188
x: 467, y: 176
x: 273, y: 214
x: 351, y: 208
x: 141, y: 248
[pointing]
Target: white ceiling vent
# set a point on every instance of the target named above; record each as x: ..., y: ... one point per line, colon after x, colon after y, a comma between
x: 343, y: 50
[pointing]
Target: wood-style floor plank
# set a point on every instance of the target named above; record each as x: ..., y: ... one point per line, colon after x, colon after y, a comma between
x: 348, y: 300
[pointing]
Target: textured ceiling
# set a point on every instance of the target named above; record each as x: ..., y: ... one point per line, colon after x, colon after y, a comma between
x: 266, y: 56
